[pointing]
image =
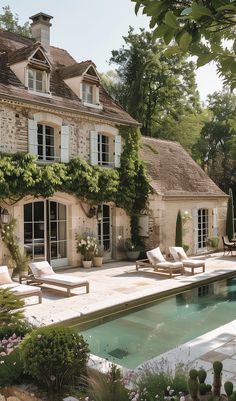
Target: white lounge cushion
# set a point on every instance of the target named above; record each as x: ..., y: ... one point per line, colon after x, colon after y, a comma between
x: 155, y: 256
x: 175, y: 265
x: 21, y: 289
x: 193, y: 263
x: 178, y: 253
x: 40, y: 269
x: 4, y: 275
x: 62, y: 279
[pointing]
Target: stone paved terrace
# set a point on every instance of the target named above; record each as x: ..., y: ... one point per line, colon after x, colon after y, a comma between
x: 119, y: 283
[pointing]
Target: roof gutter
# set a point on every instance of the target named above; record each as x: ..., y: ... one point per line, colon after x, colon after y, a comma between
x: 67, y: 109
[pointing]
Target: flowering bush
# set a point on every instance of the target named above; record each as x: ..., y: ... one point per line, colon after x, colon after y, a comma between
x: 87, y: 245
x: 11, y: 367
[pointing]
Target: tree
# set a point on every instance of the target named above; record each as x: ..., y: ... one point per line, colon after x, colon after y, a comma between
x: 215, y: 147
x: 153, y: 88
x: 10, y: 22
x: 197, y: 27
x: 179, y: 230
x: 230, y: 217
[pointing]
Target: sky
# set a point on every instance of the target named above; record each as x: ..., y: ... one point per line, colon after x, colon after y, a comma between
x: 91, y: 29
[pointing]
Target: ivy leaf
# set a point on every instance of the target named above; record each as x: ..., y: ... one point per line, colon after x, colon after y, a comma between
x: 171, y: 20
x: 169, y: 35
x: 172, y: 50
x: 199, y: 11
x: 154, y: 8
x: 160, y: 31
x: 185, y: 41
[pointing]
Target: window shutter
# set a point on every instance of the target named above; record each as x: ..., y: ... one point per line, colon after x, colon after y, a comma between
x: 215, y: 222
x: 93, y: 148
x: 195, y: 230
x: 117, y: 150
x: 33, y: 137
x: 65, y: 131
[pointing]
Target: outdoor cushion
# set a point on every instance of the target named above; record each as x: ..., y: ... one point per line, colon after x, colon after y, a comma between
x: 155, y: 256
x: 40, y: 269
x: 193, y: 263
x: 62, y: 279
x: 170, y: 264
x: 21, y: 289
x: 178, y: 253
x: 4, y: 275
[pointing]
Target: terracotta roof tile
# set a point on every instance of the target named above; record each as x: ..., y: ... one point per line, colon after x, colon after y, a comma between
x: 76, y: 69
x: 173, y: 172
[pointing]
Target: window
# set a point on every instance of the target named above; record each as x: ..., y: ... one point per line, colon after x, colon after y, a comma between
x: 203, y: 225
x: 46, y: 143
x: 87, y: 93
x: 104, y: 158
x: 36, y: 80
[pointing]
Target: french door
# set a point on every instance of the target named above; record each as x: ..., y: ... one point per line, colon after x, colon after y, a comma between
x: 45, y: 232
x: 105, y: 231
x: 203, y: 228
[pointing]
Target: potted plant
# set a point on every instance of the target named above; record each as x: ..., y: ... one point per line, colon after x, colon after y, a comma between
x: 213, y: 242
x: 98, y: 256
x: 86, y: 245
x: 132, y: 250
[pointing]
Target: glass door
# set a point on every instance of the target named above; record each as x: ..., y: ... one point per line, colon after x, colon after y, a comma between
x: 203, y: 228
x: 105, y: 231
x: 45, y: 232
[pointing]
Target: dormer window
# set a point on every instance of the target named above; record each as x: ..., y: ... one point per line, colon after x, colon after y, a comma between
x: 36, y: 80
x: 87, y: 93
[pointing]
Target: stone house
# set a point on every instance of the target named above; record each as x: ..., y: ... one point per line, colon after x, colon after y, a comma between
x: 56, y: 109
x: 178, y: 183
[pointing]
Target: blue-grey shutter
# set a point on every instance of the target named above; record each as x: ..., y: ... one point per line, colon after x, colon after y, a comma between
x: 93, y: 148
x: 117, y: 150
x: 65, y: 137
x: 195, y: 230
x: 215, y: 228
x: 33, y: 137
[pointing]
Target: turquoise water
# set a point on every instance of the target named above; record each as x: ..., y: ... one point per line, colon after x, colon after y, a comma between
x: 133, y: 337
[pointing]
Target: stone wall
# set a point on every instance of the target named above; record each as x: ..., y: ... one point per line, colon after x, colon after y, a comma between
x: 14, y: 393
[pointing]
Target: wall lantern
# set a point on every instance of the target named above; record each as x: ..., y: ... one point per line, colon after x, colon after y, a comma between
x: 4, y: 215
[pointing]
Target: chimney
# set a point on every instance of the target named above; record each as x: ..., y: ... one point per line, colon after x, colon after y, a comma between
x: 40, y: 28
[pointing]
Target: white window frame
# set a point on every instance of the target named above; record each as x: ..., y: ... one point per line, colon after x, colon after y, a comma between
x: 45, y: 80
x: 203, y: 228
x: 105, y: 158
x: 44, y: 158
x: 87, y: 91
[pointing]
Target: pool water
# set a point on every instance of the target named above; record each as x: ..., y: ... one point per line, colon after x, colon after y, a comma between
x: 133, y: 337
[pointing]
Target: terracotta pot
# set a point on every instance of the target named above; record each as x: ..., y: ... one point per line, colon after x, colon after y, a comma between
x: 87, y: 263
x: 97, y: 261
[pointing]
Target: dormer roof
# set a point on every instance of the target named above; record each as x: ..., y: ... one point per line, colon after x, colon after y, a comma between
x: 80, y: 69
x: 34, y: 53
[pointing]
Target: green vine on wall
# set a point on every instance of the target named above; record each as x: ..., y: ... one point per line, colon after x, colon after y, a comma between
x: 127, y: 186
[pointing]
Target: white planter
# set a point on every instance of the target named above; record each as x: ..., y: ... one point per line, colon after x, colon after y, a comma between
x: 87, y: 263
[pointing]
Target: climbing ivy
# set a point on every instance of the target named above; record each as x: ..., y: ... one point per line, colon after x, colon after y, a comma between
x: 127, y: 186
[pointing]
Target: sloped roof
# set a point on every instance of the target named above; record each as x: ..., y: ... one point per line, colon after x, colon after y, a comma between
x: 173, y: 172
x: 76, y: 69
x: 14, y: 48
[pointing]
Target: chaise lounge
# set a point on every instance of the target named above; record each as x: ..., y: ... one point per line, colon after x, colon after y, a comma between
x: 20, y: 290
x: 157, y: 261
x: 179, y: 255
x: 42, y: 273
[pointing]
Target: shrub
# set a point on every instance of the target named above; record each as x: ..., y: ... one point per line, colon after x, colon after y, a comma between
x: 20, y: 329
x: 179, y: 230
x: 9, y: 308
x: 54, y: 356
x: 11, y: 368
x: 153, y: 382
x: 109, y: 387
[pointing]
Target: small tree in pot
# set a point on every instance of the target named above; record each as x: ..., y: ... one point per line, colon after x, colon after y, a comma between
x: 98, y: 256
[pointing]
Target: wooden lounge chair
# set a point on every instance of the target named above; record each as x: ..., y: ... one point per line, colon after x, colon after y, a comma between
x: 20, y: 290
x: 42, y: 273
x: 228, y: 245
x: 179, y: 254
x: 157, y: 261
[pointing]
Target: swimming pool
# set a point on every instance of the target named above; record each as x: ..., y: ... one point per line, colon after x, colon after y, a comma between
x: 133, y: 337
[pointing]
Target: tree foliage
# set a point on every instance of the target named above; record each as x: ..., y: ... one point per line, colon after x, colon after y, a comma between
x: 10, y: 22
x: 179, y: 230
x: 153, y: 88
x: 215, y: 147
x: 230, y: 217
x: 9, y: 308
x: 197, y: 27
